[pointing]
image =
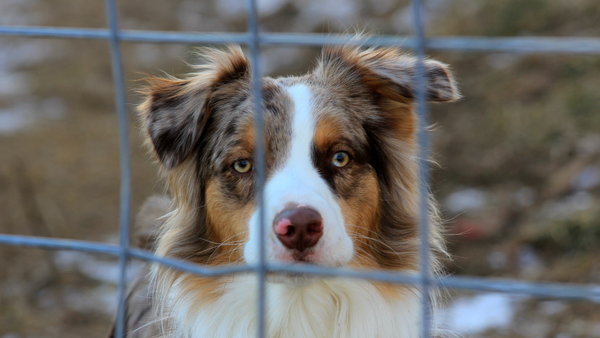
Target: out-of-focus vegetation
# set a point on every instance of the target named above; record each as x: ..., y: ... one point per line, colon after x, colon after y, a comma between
x: 519, y: 175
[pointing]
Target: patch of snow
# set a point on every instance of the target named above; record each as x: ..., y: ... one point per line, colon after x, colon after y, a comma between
x: 477, y: 314
x: 581, y: 201
x: 24, y: 54
x: 13, y: 83
x: 529, y: 262
x: 466, y: 200
x: 25, y: 113
x: 11, y: 335
x: 98, y: 299
x: 535, y: 329
x: 18, y: 12
x: 596, y: 299
x: 337, y: 15
x: 525, y: 196
x: 236, y: 8
x: 587, y: 179
x: 588, y: 145
x: 335, y: 9
x: 564, y: 335
x: 93, y: 267
x: 15, y: 118
x: 231, y: 8
x: 497, y: 259
x: 11, y: 121
x: 101, y: 298
x: 564, y: 208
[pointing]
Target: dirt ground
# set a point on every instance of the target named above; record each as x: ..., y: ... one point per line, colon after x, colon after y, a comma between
x: 518, y: 174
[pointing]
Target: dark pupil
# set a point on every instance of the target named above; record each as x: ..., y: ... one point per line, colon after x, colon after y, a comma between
x: 339, y: 157
x: 243, y: 164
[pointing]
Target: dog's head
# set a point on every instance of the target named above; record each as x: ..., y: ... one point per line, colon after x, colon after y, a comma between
x: 340, y: 150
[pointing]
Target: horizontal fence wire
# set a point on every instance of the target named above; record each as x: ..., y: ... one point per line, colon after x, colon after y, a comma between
x: 255, y: 40
x: 537, y: 289
x: 553, y: 45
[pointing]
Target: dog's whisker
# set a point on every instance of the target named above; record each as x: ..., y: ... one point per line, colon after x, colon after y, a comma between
x: 150, y: 323
x: 377, y: 241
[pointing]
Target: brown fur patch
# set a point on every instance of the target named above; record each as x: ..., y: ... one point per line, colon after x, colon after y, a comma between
x: 229, y: 222
x: 361, y: 214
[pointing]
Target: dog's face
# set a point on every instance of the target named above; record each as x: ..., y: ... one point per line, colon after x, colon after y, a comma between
x: 340, y: 160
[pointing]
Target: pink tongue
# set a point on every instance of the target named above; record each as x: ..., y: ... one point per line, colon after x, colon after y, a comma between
x: 282, y: 226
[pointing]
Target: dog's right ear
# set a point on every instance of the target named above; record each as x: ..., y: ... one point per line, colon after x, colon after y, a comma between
x: 175, y: 111
x: 173, y: 116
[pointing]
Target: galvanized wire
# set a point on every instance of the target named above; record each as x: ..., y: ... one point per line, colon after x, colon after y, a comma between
x: 254, y: 40
x: 588, y: 292
x: 259, y: 164
x: 423, y: 142
x: 549, y: 290
x: 125, y: 161
x: 537, y: 45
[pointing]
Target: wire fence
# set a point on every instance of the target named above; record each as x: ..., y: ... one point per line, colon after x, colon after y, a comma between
x: 254, y: 40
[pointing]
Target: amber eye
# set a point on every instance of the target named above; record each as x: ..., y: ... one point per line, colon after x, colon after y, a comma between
x: 242, y: 166
x: 340, y: 159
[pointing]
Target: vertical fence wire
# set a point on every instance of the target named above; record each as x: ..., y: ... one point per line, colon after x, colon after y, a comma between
x: 423, y: 152
x: 259, y: 159
x: 125, y: 161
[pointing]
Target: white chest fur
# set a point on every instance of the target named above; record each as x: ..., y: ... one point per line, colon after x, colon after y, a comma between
x: 324, y: 309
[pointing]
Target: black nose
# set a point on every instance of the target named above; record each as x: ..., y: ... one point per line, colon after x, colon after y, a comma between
x: 298, y: 228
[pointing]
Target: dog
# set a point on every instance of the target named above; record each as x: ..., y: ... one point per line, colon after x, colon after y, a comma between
x: 341, y: 190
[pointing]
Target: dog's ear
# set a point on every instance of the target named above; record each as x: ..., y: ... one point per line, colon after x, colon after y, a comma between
x: 173, y: 116
x: 389, y: 72
x: 175, y: 111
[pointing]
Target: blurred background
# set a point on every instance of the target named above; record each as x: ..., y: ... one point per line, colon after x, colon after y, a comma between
x: 518, y: 175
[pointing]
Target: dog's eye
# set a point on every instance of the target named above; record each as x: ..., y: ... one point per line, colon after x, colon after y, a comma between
x: 340, y: 159
x: 242, y: 166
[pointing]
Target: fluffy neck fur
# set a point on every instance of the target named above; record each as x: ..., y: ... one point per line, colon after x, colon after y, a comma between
x: 323, y: 309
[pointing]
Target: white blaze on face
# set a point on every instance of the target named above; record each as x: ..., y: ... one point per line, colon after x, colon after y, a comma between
x: 297, y: 182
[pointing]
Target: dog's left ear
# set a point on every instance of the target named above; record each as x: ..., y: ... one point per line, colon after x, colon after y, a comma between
x: 389, y: 72
x: 175, y: 111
